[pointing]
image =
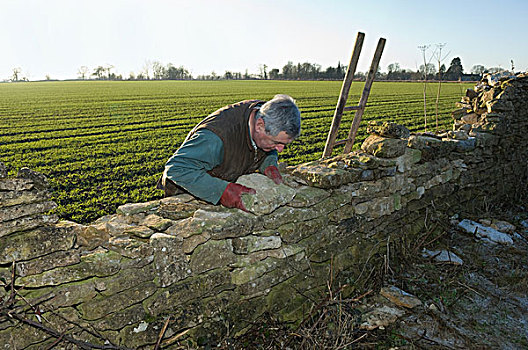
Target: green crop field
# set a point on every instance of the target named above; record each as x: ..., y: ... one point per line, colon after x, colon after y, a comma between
x: 104, y: 143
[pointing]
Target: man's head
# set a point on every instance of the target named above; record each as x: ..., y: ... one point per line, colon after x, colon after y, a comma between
x: 277, y: 123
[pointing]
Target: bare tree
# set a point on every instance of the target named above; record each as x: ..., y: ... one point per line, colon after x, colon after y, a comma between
x: 494, y: 70
x: 428, y: 70
x: 108, y: 68
x: 146, y: 69
x: 478, y: 69
x: 16, y: 72
x: 424, y: 48
x: 83, y: 71
x: 158, y: 71
x: 439, y: 58
x: 263, y: 72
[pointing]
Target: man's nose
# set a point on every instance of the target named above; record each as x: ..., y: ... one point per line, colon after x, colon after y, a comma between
x: 279, y: 148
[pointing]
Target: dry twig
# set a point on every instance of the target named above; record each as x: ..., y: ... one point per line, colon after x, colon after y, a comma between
x: 162, y: 333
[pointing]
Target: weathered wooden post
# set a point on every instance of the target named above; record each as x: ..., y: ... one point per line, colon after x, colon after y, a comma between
x: 343, y: 96
x: 364, y: 97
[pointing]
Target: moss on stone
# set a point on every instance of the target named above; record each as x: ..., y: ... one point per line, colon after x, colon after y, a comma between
x: 192, y: 288
x: 124, y: 279
x: 31, y: 244
x: 307, y: 196
x: 31, y: 335
x: 122, y: 318
x: 212, y: 254
x: 285, y: 269
x: 100, y: 264
x: 294, y: 232
x: 246, y: 274
x: 251, y: 243
x: 287, y: 215
x: 102, y: 306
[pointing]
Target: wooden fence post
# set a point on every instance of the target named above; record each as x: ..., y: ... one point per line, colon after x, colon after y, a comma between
x: 364, y: 97
x: 343, y: 96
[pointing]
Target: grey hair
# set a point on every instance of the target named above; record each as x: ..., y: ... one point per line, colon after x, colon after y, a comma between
x: 281, y: 114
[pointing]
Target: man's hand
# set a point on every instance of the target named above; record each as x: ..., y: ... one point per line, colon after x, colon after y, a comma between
x: 273, y: 173
x: 232, y: 196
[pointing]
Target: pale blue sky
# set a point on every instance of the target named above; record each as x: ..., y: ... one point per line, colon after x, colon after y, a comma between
x: 56, y: 37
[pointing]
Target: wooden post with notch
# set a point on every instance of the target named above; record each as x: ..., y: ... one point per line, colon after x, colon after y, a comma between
x: 343, y: 96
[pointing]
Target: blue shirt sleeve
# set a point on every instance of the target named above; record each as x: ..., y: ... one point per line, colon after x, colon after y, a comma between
x: 188, y: 167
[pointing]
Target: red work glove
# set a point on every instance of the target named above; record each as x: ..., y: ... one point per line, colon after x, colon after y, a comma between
x: 231, y: 197
x: 273, y: 173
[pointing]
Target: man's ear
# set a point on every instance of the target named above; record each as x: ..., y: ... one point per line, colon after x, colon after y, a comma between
x: 260, y: 125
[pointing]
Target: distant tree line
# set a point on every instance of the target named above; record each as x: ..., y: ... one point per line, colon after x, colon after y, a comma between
x: 151, y: 71
x: 300, y: 71
x: 290, y: 71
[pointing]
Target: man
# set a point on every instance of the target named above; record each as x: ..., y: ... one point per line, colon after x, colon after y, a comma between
x: 235, y: 140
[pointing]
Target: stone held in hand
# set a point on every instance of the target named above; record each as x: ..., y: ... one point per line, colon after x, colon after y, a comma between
x: 269, y: 195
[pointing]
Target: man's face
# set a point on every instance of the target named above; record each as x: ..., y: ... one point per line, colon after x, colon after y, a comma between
x: 268, y: 142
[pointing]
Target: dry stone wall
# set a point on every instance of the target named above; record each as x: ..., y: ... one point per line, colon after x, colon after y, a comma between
x: 205, y: 271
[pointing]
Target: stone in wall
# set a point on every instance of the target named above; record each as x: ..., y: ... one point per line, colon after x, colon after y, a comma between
x: 25, y: 223
x: 50, y: 261
x: 386, y: 140
x: 25, y: 196
x: 306, y: 196
x: 257, y: 242
x: 24, y: 202
x: 214, y: 223
x: 318, y: 175
x: 431, y: 147
x: 388, y: 129
x: 39, y: 180
x: 23, y: 210
x: 15, y: 184
x: 100, y: 263
x: 384, y: 147
x: 34, y: 243
x: 170, y: 263
x: 212, y: 254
